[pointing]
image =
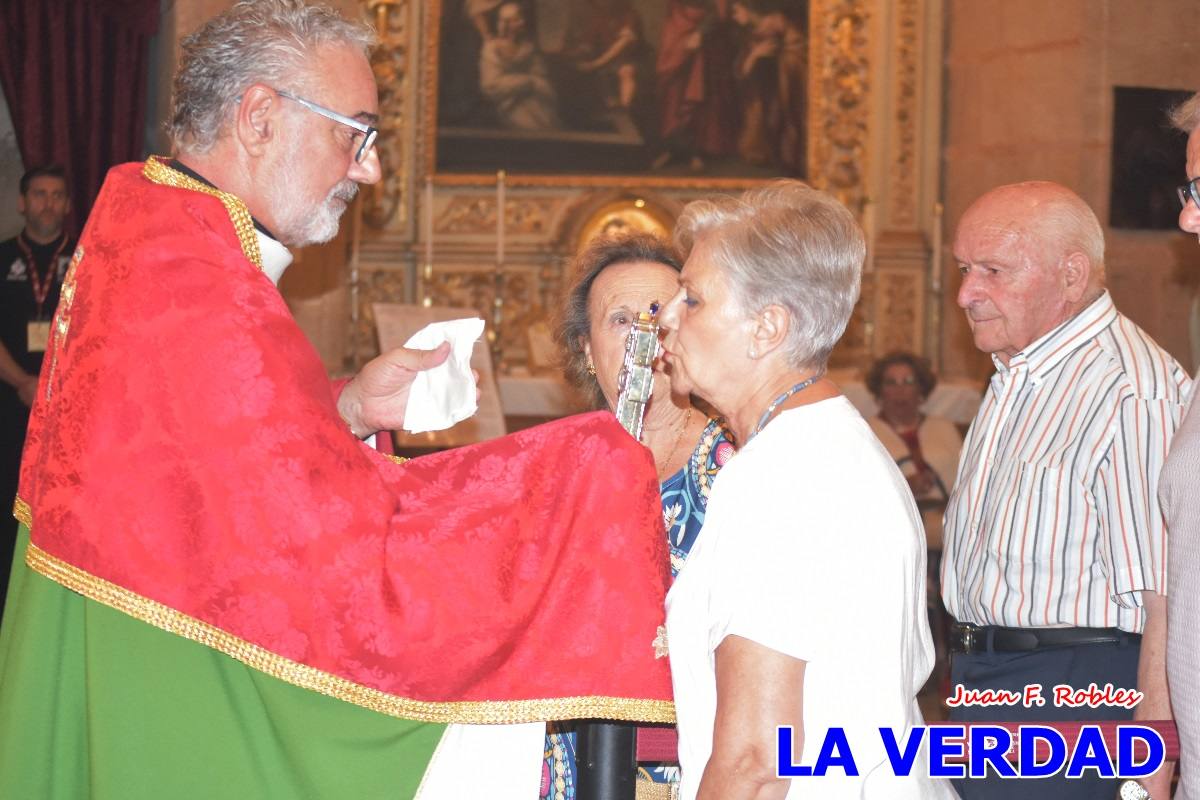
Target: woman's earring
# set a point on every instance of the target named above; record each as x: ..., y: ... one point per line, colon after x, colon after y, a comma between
x: 591, y: 368
x: 753, y: 352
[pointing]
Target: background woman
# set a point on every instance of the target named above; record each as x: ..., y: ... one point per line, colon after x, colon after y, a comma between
x: 615, y: 278
x: 925, y: 447
x: 804, y: 602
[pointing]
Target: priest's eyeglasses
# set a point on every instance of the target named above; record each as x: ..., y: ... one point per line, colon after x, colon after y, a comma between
x: 1190, y: 190
x: 369, y: 132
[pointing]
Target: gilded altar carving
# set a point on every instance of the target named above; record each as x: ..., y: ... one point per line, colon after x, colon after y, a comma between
x: 386, y: 202
x: 853, y: 349
x: 511, y: 301
x: 838, y: 90
x: 473, y: 289
x: 897, y: 324
x: 902, y: 194
x: 546, y: 217
x: 596, y: 213
x: 375, y: 286
x: 523, y: 216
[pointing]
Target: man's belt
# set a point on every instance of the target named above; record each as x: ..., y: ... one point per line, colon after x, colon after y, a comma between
x: 966, y: 638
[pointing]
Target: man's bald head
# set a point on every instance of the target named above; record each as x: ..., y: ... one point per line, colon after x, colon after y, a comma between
x: 1048, y: 215
x: 1031, y: 256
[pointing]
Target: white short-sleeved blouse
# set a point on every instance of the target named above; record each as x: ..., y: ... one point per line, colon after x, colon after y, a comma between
x: 813, y: 547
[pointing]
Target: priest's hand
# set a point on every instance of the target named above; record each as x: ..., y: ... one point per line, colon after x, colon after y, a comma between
x: 375, y: 399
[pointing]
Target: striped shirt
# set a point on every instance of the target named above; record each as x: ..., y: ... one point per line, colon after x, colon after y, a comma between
x: 1054, y: 519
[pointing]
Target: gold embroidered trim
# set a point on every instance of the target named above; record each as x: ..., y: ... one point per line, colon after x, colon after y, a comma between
x: 644, y: 788
x: 22, y: 513
x: 62, y: 317
x: 306, y: 677
x: 395, y: 459
x: 243, y: 224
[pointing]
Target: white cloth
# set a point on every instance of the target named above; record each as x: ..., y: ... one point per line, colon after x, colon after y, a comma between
x: 955, y: 399
x: 275, y: 257
x: 444, y: 395
x: 812, y: 547
x: 499, y: 762
x: 940, y: 445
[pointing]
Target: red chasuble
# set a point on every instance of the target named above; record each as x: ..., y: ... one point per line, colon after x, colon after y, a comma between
x: 186, y: 465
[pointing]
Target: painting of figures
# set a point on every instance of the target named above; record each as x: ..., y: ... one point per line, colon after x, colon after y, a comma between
x: 654, y: 88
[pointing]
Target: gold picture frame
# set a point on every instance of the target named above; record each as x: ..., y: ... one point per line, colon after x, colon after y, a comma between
x: 834, y: 120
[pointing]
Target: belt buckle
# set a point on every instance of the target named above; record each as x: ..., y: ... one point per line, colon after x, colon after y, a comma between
x: 966, y: 637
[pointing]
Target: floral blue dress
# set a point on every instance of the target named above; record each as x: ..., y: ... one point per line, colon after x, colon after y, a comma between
x: 684, y: 498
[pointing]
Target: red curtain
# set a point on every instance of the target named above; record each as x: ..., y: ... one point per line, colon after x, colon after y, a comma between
x: 74, y: 73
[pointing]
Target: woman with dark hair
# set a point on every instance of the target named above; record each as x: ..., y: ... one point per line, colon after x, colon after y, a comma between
x: 616, y: 277
x: 925, y: 447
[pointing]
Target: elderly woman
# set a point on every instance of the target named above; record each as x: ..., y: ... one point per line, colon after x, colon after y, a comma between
x: 925, y: 447
x: 616, y: 277
x: 804, y: 602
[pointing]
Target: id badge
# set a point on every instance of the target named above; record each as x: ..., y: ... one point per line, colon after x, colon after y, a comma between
x: 37, y: 334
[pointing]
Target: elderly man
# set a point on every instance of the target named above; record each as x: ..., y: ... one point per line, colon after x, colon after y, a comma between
x: 1054, y: 563
x: 1181, y: 503
x: 221, y: 591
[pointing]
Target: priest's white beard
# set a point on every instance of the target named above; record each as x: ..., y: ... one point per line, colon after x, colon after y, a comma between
x: 300, y: 224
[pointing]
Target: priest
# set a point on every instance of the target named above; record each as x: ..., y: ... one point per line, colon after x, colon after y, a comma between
x: 219, y: 590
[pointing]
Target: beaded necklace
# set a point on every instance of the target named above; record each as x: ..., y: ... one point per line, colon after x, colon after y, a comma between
x: 799, y: 387
x: 666, y: 464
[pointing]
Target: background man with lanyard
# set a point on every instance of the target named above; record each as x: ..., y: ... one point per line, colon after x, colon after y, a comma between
x: 32, y: 266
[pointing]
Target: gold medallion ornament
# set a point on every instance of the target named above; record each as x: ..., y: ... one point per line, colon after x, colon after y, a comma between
x: 660, y: 643
x: 62, y: 317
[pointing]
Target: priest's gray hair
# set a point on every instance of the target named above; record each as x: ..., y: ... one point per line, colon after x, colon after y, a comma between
x: 1186, y: 115
x: 784, y: 244
x: 255, y: 41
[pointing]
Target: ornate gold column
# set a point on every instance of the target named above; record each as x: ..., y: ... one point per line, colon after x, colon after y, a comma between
x: 904, y: 178
x: 381, y: 266
x: 839, y: 93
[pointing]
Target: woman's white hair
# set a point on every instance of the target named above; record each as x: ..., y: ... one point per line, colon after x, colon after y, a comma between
x: 255, y: 41
x: 784, y: 244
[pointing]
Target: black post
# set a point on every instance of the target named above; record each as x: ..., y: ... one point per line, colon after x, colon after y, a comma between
x: 606, y: 761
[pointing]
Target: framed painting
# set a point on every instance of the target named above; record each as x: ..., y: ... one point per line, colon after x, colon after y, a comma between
x: 1147, y: 159
x: 674, y: 92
